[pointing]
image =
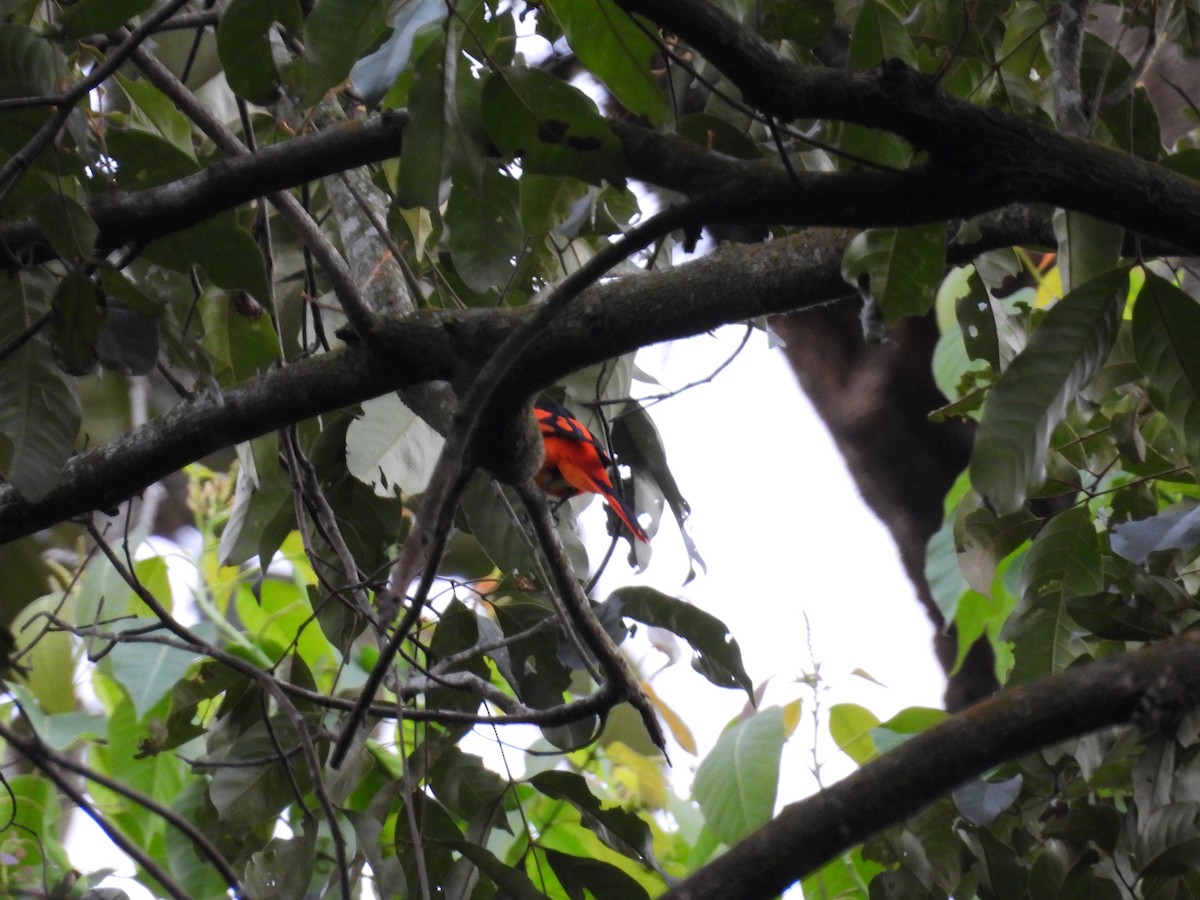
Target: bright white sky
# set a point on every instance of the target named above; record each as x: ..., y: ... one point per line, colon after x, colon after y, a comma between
x: 787, y: 538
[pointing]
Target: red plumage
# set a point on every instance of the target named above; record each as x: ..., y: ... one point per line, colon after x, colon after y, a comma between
x: 576, y: 463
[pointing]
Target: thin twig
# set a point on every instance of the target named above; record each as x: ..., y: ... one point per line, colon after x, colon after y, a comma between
x: 616, y: 668
x: 39, y: 753
x: 40, y: 756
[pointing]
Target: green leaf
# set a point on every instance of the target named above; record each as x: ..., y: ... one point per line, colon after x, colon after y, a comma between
x: 284, y: 867
x: 446, y: 138
x: 1166, y: 333
x: 281, y: 615
x: 67, y: 226
x: 78, y: 315
x: 335, y: 33
x: 1087, y: 247
x: 802, y: 23
x: 947, y: 582
x: 244, y: 45
x: 88, y: 17
x: 614, y: 49
x: 902, y: 267
x: 457, y: 631
x: 31, y: 808
x: 981, y: 802
x: 618, y: 828
x: 511, y: 880
x: 149, y: 671
x: 51, y: 656
x: 484, y: 227
x: 391, y: 448
x: 1063, y: 563
x: 736, y: 783
x: 1064, y: 559
x: 578, y: 873
x: 241, y: 345
x: 552, y: 126
x: 39, y: 406
x: 29, y: 66
x: 878, y: 35
x: 262, y: 505
x: 464, y: 785
x: 717, y: 655
x: 547, y: 203
x: 255, y: 794
x: 851, y: 727
x: 1031, y: 398
x: 155, y: 113
x: 227, y: 252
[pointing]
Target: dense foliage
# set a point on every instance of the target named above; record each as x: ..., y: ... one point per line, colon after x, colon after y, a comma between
x: 320, y: 256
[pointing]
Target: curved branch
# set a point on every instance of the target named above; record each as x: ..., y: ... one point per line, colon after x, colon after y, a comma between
x: 805, y: 835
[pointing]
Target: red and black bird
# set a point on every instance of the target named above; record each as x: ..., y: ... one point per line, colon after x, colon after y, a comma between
x: 576, y: 463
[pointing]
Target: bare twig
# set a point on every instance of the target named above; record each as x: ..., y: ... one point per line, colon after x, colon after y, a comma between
x: 616, y: 669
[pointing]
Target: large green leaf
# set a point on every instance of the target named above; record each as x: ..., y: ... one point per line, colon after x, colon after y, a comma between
x: 1166, y: 338
x: 335, y: 33
x: 552, y: 126
x: 582, y: 876
x: 878, y: 35
x: 736, y: 783
x: 1064, y: 559
x: 902, y: 267
x: 39, y: 405
x: 1063, y: 563
x: 391, y: 448
x: 67, y: 226
x: 511, y: 880
x: 485, y: 230
x: 618, y: 828
x: 244, y: 45
x: 1031, y: 398
x: 149, y: 671
x: 852, y: 728
x: 50, y: 655
x: 614, y: 49
x: 240, y: 339
x: 88, y: 17
x: 78, y: 315
x: 717, y: 655
x: 1087, y: 247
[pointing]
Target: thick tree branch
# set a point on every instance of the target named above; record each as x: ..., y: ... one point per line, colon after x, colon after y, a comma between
x: 731, y: 285
x: 979, y: 158
x: 124, y: 216
x: 807, y: 834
